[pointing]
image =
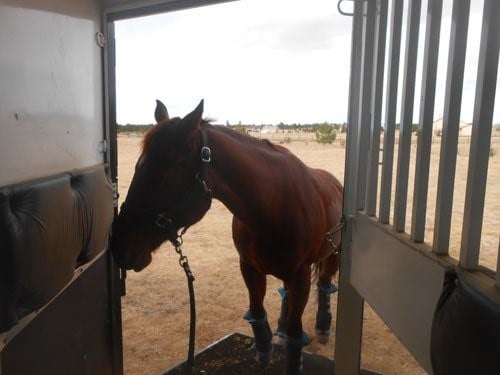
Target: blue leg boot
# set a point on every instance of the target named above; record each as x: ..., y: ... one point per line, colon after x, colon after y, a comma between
x: 263, y: 337
x: 324, y: 315
x: 281, y: 330
x: 294, y: 354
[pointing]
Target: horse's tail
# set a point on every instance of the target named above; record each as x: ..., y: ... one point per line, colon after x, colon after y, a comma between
x: 324, y: 270
x: 315, y: 271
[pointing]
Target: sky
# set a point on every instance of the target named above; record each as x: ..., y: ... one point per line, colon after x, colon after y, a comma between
x: 257, y: 62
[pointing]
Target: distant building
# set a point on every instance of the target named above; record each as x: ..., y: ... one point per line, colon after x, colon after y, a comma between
x: 465, y: 129
x: 266, y: 129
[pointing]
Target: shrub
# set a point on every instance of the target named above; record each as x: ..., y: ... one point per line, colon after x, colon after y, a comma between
x: 239, y: 128
x: 325, y: 134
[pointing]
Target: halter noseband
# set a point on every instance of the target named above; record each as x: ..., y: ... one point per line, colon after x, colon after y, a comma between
x: 199, y: 189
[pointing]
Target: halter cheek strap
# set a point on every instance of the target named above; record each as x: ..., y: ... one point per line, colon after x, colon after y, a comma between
x: 198, y: 192
x: 206, y: 158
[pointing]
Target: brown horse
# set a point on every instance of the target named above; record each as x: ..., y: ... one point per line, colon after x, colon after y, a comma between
x: 283, y: 215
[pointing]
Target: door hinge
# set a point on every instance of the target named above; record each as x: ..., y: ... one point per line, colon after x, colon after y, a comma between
x: 103, y: 146
x: 100, y: 39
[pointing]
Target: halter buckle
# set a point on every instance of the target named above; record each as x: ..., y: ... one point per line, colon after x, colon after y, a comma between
x: 162, y: 220
x: 206, y: 154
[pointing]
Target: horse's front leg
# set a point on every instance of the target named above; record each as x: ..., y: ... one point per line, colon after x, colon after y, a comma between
x: 298, y: 293
x: 256, y: 315
x: 280, y: 334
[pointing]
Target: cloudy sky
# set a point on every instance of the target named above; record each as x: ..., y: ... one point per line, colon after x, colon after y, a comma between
x: 254, y: 61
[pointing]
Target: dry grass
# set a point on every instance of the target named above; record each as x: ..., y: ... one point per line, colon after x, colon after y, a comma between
x: 155, y: 309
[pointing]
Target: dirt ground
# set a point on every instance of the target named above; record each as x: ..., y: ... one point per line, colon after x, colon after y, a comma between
x: 156, y: 307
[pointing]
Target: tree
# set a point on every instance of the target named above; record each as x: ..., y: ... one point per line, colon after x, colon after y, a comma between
x: 239, y: 128
x: 325, y: 134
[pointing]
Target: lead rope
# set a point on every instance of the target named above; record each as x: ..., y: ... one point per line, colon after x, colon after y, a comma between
x: 183, y: 262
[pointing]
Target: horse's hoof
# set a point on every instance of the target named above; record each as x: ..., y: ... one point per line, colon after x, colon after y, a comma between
x: 279, y: 338
x: 263, y: 358
x: 323, y: 336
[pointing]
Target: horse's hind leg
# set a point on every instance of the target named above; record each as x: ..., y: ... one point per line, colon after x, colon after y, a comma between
x: 326, y: 288
x: 256, y: 315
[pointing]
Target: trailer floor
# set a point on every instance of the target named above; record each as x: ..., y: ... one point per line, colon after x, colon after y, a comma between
x: 233, y: 355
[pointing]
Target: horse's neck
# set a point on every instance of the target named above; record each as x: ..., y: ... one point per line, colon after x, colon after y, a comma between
x: 238, y: 176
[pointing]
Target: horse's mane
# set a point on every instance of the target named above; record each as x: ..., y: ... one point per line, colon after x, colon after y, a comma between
x: 148, y: 136
x: 166, y: 126
x: 169, y: 126
x: 243, y: 137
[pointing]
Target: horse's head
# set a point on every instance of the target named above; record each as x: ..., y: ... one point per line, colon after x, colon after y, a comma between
x: 168, y: 191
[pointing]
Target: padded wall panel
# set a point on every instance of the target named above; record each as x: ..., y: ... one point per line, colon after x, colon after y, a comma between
x: 49, y: 227
x: 465, y: 330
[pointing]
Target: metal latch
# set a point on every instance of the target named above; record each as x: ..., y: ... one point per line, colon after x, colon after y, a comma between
x: 342, y: 11
x: 116, y: 195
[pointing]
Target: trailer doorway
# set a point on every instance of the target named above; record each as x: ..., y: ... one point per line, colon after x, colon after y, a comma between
x: 214, y: 230
x: 207, y: 234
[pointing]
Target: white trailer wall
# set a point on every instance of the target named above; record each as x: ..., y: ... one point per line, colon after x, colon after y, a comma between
x: 51, y: 111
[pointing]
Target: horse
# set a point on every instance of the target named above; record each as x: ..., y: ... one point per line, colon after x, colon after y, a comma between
x: 285, y: 223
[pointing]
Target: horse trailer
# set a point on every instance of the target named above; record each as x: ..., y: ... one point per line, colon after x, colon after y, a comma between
x: 60, y: 290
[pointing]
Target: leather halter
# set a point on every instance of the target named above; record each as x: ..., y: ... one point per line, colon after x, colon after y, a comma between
x: 199, y: 189
x: 197, y: 196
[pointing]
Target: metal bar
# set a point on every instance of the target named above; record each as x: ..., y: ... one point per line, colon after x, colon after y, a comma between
x: 390, y: 110
x: 109, y: 86
x: 365, y: 104
x: 376, y: 108
x: 110, y: 100
x: 405, y: 126
x: 481, y: 135
x: 351, y: 162
x: 350, y: 306
x: 497, y: 279
x: 350, y: 303
x: 424, y: 134
x: 451, y: 121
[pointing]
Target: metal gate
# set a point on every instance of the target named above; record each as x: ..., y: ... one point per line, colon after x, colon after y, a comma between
x: 384, y: 263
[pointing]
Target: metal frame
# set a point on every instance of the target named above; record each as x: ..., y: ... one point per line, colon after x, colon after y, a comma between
x: 396, y: 23
x: 408, y: 272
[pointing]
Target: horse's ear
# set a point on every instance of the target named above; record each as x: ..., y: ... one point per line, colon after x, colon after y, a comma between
x: 161, y: 113
x: 193, y: 119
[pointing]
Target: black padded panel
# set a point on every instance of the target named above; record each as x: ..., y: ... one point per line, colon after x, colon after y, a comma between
x: 95, y: 203
x: 48, y: 228
x: 465, y: 336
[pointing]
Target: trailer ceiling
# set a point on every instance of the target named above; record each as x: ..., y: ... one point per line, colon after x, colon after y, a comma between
x: 123, y: 9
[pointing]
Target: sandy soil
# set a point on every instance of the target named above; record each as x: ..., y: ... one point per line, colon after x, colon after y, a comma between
x: 155, y: 309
